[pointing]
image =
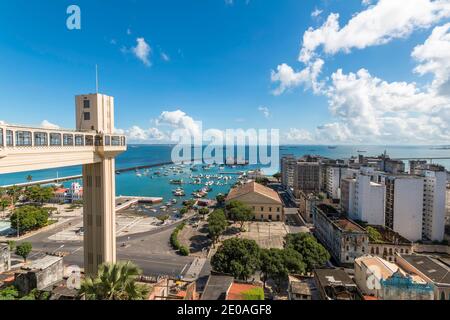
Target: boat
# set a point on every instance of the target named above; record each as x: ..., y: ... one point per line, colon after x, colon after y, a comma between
x: 362, y: 151
x: 332, y: 147
x: 176, y: 181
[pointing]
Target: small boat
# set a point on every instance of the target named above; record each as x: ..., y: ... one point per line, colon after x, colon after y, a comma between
x: 362, y: 151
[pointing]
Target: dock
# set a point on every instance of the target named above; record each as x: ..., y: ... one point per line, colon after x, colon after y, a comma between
x: 124, y: 202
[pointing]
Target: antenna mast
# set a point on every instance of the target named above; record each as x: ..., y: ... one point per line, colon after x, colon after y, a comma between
x: 96, y: 78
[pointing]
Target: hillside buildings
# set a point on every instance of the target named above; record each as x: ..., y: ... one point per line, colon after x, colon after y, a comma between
x: 344, y: 239
x: 265, y: 202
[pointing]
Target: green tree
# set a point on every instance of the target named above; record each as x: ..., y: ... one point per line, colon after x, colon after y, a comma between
x: 29, y: 178
x: 217, y: 224
x: 374, y: 235
x: 237, y: 257
x: 4, y: 203
x: 313, y: 253
x: 203, y: 211
x: 9, y: 293
x: 183, y: 211
x: 262, y: 180
x: 23, y: 250
x: 163, y: 218
x: 38, y: 194
x: 29, y: 218
x: 239, y: 212
x: 220, y: 199
x: 14, y: 192
x: 11, y: 245
x: 115, y: 282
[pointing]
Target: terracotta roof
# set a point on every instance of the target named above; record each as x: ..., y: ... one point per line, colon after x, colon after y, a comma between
x: 238, y: 289
x: 253, y: 187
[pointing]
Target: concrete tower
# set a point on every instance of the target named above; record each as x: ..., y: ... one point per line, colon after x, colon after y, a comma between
x: 96, y: 112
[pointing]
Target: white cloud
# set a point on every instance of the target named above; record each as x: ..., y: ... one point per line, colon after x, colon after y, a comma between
x: 137, y: 134
x: 2, y: 123
x: 142, y: 51
x: 317, y: 12
x: 378, y: 24
x: 287, y: 78
x: 180, y: 120
x: 265, y: 111
x: 165, y: 57
x: 48, y: 125
x: 434, y: 58
x: 299, y: 136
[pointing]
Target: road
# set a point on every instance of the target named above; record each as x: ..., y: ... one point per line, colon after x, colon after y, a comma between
x: 151, y: 251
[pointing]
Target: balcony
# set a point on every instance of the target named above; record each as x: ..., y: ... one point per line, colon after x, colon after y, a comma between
x: 25, y: 148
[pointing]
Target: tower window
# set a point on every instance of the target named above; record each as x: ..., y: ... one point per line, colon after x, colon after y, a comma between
x: 87, y: 116
x: 86, y: 104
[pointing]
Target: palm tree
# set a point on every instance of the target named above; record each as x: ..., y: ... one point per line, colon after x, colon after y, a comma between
x: 115, y: 282
x: 29, y: 178
x: 3, y: 204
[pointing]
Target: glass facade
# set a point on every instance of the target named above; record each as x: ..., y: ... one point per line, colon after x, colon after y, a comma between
x: 40, y: 139
x: 23, y: 139
x: 9, y: 138
x: 55, y: 139
x: 79, y: 140
x: 115, y: 141
x: 89, y: 140
x: 68, y: 139
x: 1, y: 138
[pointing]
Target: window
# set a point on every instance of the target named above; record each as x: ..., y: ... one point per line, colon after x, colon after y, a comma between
x: 262, y: 208
x: 40, y: 139
x: 9, y: 138
x: 278, y: 209
x: 23, y: 139
x: 124, y: 141
x: 115, y: 141
x: 1, y: 137
x: 87, y: 116
x: 79, y: 140
x: 278, y: 217
x: 98, y: 141
x: 55, y: 139
x: 270, y: 209
x: 68, y: 140
x: 107, y: 140
x: 89, y: 140
x: 86, y: 104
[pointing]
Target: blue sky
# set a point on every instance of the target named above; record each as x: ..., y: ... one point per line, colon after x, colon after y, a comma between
x: 212, y: 61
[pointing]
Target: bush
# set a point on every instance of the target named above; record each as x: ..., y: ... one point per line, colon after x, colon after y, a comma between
x: 253, y: 294
x: 175, y: 243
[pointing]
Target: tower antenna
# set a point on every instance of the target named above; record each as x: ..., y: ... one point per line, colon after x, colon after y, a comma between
x: 96, y: 78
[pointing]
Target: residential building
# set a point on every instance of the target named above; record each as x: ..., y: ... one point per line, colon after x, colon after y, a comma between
x: 434, y: 203
x: 447, y: 206
x: 335, y: 284
x: 288, y: 164
x: 388, y: 243
x: 306, y: 202
x: 40, y: 274
x: 404, y: 205
x: 344, y: 239
x: 307, y: 176
x: 433, y: 270
x: 5, y: 258
x: 335, y: 174
x: 348, y: 186
x: 264, y: 201
x: 416, y: 165
x: 384, y: 280
x: 302, y: 288
x: 68, y: 195
x: 369, y: 198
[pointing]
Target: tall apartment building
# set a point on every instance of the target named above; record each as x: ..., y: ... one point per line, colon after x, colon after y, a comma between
x: 287, y: 165
x: 404, y: 205
x: 307, y: 177
x: 447, y: 215
x: 433, y: 227
x: 363, y: 197
x: 334, y: 176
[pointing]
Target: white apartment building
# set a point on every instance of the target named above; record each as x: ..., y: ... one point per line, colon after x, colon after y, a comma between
x: 287, y: 165
x: 433, y: 227
x: 404, y: 205
x: 333, y: 181
x: 363, y: 197
x: 448, y: 205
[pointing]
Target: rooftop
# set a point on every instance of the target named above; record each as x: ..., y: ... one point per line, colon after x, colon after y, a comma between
x: 385, y: 268
x: 432, y: 268
x: 390, y: 236
x: 333, y: 277
x: 237, y: 290
x: 253, y: 187
x: 42, y: 264
x: 217, y: 287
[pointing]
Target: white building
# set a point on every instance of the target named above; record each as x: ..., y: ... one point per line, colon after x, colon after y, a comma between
x: 434, y: 205
x: 404, y: 205
x: 288, y: 164
x: 364, y: 198
x: 334, y: 177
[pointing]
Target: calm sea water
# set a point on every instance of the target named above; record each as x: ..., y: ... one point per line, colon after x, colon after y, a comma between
x: 150, y: 185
